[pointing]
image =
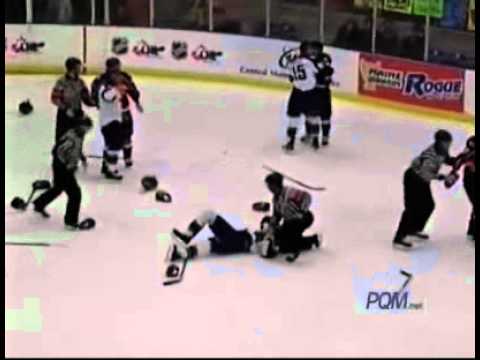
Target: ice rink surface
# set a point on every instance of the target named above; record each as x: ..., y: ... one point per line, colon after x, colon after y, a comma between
x: 100, y: 293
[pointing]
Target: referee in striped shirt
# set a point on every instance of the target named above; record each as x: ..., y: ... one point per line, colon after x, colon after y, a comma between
x: 419, y: 203
x: 66, y: 153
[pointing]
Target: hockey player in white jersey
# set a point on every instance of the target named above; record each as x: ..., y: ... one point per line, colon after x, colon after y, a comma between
x: 307, y: 77
x: 109, y: 100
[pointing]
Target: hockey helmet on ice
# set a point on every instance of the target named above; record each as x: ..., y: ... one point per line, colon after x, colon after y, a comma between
x: 149, y: 183
x: 25, y: 107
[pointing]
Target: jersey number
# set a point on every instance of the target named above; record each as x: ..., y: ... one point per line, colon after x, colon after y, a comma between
x: 299, y: 72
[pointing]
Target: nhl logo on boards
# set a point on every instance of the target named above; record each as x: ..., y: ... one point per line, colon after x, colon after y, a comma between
x: 120, y: 45
x: 179, y: 50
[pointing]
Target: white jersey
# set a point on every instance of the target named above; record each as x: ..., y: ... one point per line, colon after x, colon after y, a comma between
x: 304, y: 74
x: 109, y: 104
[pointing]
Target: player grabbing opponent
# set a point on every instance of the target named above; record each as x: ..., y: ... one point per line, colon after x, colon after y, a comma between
x: 324, y: 80
x: 114, y: 67
x: 418, y: 198
x: 110, y: 95
x: 310, y: 95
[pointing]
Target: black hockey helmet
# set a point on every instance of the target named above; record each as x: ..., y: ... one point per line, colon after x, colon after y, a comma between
x: 112, y: 63
x: 149, y: 183
x: 25, y: 107
x: 163, y: 196
x: 275, y: 179
x: 304, y: 48
x: 443, y: 136
x: 71, y: 63
x: 318, y: 46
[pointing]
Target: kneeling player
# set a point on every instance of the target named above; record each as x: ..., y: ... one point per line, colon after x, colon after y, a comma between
x: 291, y: 216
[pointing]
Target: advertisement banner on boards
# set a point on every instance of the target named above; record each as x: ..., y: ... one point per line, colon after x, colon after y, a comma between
x: 413, y: 83
x: 28, y: 46
x: 209, y: 53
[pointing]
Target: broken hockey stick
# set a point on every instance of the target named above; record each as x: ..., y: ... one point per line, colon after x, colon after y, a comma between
x: 295, y: 181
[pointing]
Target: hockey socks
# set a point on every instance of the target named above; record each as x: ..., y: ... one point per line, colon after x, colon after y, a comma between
x: 127, y: 155
x: 326, y: 128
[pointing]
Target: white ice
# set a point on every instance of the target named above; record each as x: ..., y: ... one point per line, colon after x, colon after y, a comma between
x: 100, y: 292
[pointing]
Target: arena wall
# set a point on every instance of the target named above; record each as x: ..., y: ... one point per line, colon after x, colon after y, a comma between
x: 235, y: 59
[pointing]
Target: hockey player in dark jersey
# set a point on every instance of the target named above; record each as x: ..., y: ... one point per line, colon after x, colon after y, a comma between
x: 66, y: 155
x: 467, y: 160
x: 419, y: 203
x: 114, y: 66
x: 324, y: 80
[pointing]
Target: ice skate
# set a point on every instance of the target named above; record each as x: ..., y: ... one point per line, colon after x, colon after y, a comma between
x: 419, y: 237
x: 113, y: 175
x: 41, y: 212
x: 306, y: 139
x: 315, y: 144
x: 325, y: 141
x: 128, y: 163
x: 402, y: 244
x: 289, y: 147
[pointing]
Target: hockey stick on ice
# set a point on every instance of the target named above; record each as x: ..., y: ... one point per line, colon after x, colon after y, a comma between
x: 99, y: 157
x: 302, y: 184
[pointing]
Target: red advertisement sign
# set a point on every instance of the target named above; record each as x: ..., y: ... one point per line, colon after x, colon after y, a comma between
x: 411, y: 82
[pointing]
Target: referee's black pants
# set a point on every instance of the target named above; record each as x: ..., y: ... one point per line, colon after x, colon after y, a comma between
x: 289, y: 236
x: 63, y: 181
x: 419, y: 205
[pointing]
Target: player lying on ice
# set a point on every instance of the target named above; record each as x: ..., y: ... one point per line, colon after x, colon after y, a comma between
x: 280, y: 234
